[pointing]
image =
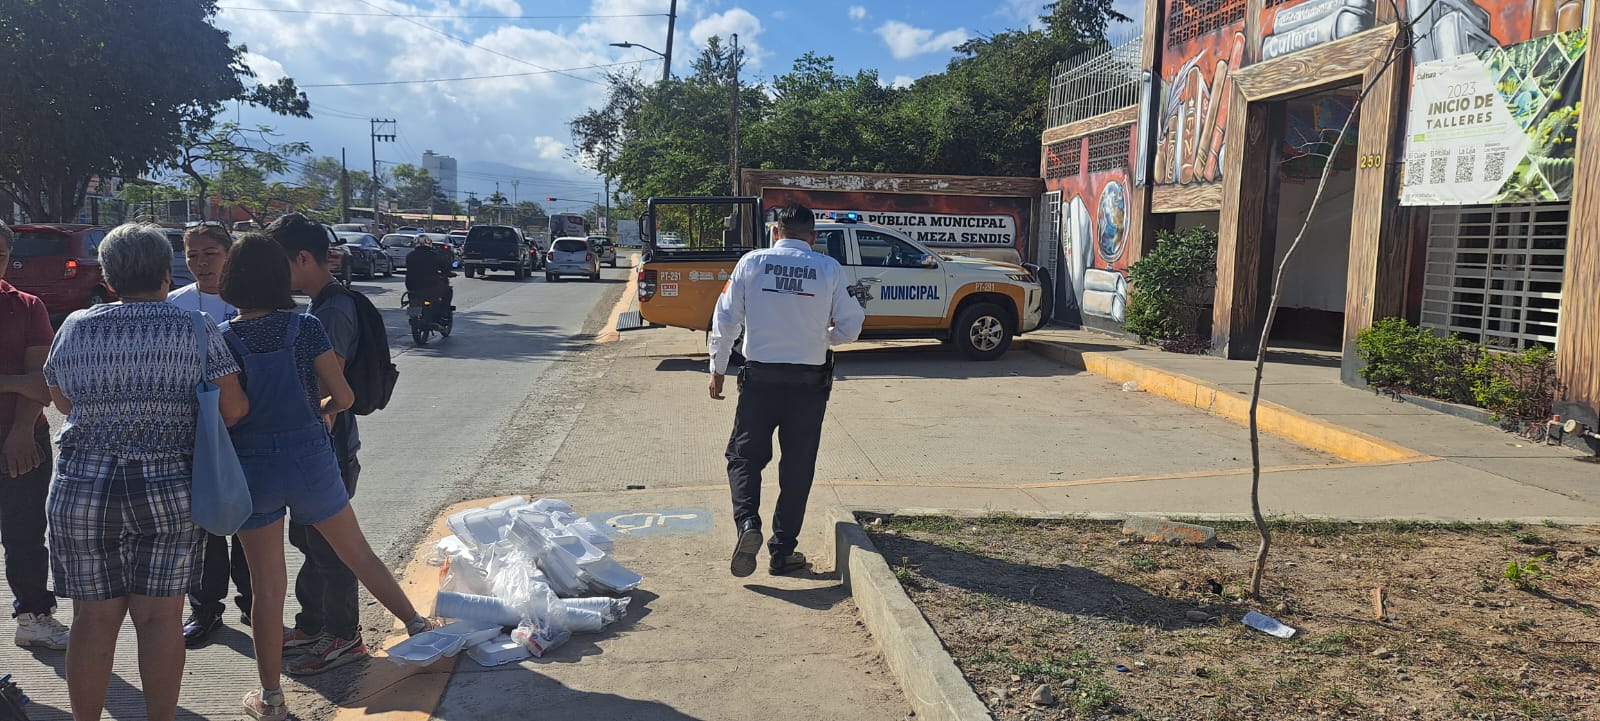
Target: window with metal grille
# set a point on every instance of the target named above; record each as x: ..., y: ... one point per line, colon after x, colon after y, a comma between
x: 1063, y: 159
x: 1494, y: 272
x: 1108, y: 150
x: 1189, y: 19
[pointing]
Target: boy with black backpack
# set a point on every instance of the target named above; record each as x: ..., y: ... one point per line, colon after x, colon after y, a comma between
x: 327, y: 631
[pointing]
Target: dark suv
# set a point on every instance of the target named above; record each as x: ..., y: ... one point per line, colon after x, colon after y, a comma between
x: 497, y: 247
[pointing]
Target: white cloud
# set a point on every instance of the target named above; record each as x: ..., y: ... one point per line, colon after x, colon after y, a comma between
x: 857, y: 12
x: 725, y: 24
x: 549, y: 148
x: 908, y: 41
x: 266, y: 69
x: 902, y: 81
x: 780, y: 14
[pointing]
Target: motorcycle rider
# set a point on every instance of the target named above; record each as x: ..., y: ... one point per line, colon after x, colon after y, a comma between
x: 428, y: 278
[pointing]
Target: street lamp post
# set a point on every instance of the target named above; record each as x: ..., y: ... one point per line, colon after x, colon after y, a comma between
x: 666, y: 69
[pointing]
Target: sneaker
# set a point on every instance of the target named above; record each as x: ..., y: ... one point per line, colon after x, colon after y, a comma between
x: 328, y: 653
x: 268, y: 705
x: 295, y: 639
x: 41, y: 630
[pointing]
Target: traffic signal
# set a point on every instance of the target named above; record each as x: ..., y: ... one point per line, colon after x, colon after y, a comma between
x: 549, y: 200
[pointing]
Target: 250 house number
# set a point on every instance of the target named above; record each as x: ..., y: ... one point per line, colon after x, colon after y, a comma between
x: 1370, y: 161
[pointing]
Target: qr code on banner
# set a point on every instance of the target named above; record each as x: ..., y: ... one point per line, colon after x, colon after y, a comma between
x: 1466, y: 164
x: 1415, y: 164
x: 1436, y: 168
x: 1494, y: 165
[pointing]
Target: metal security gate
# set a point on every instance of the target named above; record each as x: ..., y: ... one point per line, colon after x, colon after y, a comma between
x: 1494, y: 272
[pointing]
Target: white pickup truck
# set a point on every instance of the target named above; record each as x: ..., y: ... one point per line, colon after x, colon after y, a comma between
x: 908, y: 290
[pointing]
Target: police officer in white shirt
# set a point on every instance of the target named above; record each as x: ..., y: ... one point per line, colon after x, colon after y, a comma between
x: 792, y: 303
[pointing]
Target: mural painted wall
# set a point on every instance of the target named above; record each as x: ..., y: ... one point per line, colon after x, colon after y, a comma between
x: 1448, y: 28
x: 1205, y: 42
x: 1098, y: 233
x: 1295, y: 25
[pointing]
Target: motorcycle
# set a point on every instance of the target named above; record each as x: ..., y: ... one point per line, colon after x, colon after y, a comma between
x: 427, y: 317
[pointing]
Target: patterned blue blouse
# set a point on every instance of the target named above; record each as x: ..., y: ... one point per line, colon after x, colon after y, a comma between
x: 130, y: 370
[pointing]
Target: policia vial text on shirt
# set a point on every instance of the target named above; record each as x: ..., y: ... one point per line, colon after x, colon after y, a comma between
x: 792, y: 304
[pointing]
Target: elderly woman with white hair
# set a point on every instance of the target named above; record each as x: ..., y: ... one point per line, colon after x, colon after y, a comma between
x: 122, y: 541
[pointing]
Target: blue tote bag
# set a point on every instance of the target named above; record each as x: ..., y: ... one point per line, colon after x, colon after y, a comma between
x: 219, y: 494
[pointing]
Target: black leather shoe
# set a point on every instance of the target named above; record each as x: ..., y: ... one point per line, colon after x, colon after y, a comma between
x: 198, y: 629
x: 781, y: 565
x: 745, y: 550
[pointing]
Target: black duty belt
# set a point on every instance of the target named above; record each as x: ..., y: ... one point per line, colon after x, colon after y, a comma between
x: 786, y: 373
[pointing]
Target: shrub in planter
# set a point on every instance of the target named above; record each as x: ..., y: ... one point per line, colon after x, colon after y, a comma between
x: 1169, y: 286
x: 1517, y: 386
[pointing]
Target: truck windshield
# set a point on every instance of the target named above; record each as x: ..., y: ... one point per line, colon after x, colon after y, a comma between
x: 703, y: 226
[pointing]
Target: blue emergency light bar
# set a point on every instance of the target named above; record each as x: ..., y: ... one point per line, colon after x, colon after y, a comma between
x: 845, y: 217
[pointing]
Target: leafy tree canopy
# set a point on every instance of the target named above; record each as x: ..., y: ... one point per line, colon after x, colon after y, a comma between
x: 982, y: 116
x: 112, y: 88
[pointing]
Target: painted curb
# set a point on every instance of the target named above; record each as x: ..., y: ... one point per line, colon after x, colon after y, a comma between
x: 927, y: 675
x: 1310, y: 431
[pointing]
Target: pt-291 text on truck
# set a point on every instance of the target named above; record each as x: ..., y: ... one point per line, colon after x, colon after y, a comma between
x: 907, y: 289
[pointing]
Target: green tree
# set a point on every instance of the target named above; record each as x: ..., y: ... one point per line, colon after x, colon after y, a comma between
x: 214, y: 146
x: 414, y: 188
x: 528, y: 214
x: 109, y: 88
x: 322, y: 174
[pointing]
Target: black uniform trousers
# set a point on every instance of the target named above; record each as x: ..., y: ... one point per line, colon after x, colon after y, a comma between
x: 793, y: 408
x: 22, y: 532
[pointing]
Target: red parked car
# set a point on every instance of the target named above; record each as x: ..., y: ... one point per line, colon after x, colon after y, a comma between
x: 60, y: 264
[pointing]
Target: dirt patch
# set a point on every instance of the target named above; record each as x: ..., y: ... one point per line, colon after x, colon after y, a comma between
x: 1117, y: 630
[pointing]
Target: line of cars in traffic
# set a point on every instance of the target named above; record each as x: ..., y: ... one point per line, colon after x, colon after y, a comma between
x: 505, y: 248
x: 60, y: 263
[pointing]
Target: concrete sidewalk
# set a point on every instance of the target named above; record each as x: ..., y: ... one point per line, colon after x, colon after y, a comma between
x: 1457, y: 450
x: 914, y: 425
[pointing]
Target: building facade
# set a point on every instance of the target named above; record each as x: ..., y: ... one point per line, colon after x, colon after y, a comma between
x: 443, y: 169
x: 1439, y: 142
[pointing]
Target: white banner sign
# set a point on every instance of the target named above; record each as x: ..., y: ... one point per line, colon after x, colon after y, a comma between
x: 1462, y: 142
x: 939, y: 228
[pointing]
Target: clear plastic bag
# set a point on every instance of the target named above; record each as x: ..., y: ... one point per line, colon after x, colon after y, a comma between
x: 540, y: 638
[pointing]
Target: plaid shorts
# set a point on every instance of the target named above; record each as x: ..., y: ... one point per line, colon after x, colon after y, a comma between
x: 121, y: 527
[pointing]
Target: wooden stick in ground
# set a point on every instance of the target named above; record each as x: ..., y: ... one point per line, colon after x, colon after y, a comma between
x: 1401, y: 43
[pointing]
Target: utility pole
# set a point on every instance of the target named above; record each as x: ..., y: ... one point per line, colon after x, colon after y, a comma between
x: 733, y: 117
x: 344, y: 189
x: 388, y: 137
x: 514, y: 185
x: 609, y: 231
x: 666, y: 60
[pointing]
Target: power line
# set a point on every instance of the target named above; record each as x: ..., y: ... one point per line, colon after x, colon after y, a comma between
x: 436, y: 17
x: 546, y: 71
x: 435, y: 30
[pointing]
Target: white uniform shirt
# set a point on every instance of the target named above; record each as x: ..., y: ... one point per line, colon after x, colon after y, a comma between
x: 791, y: 302
x: 190, y: 297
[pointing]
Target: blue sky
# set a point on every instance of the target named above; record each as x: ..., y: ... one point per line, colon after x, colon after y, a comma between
x: 514, y: 128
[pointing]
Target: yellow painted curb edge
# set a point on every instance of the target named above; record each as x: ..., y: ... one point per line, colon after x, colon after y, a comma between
x: 1346, y: 443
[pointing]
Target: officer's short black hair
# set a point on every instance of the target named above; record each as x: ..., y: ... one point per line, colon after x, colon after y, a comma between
x: 795, y: 219
x: 295, y: 232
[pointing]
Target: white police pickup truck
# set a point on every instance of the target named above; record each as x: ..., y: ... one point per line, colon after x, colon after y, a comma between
x: 908, y: 290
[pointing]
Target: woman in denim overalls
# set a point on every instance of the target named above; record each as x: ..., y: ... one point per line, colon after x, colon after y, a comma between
x: 286, y: 453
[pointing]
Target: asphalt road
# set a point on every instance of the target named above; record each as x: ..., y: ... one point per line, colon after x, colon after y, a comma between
x: 502, y: 380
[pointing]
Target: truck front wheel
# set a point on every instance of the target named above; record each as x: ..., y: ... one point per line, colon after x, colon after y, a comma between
x: 982, y: 331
